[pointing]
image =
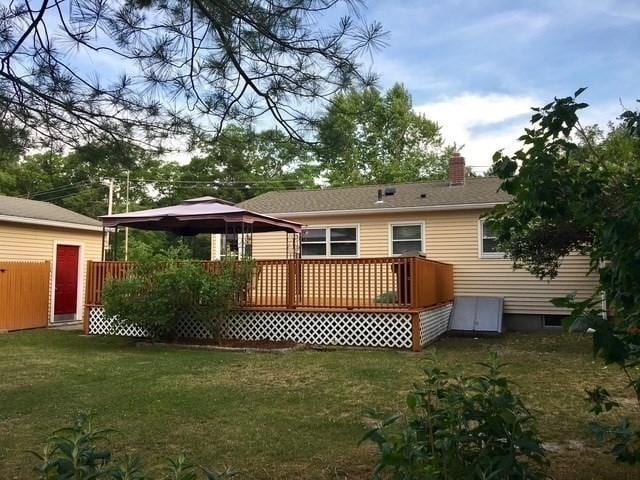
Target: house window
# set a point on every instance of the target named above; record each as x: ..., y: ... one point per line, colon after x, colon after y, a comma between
x: 489, y: 242
x: 330, y: 242
x: 231, y: 244
x: 553, y: 321
x: 406, y: 238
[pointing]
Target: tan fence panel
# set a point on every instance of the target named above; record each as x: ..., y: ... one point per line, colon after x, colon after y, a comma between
x: 24, y: 295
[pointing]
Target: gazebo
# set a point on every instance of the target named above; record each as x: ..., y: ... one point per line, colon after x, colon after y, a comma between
x: 205, y: 215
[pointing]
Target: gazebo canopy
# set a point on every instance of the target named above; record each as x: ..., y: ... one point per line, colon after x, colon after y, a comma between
x: 201, y: 215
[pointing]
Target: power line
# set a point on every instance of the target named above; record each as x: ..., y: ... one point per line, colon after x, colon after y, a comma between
x: 55, y: 190
x: 216, y: 182
x: 75, y: 193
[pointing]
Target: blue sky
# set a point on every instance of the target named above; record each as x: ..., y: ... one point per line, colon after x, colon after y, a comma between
x: 476, y: 66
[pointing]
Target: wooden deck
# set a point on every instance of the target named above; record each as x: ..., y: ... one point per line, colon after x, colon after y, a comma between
x: 361, y: 284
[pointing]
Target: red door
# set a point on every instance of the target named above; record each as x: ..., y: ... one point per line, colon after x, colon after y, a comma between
x: 66, y: 297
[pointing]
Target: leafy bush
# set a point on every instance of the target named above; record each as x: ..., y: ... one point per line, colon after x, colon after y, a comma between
x: 622, y: 436
x: 460, y: 427
x: 575, y: 189
x: 81, y: 453
x: 162, y: 289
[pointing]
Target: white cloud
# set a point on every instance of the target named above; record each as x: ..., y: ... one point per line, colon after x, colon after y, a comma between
x: 483, y: 123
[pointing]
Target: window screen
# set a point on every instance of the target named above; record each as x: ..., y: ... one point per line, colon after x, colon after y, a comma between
x: 406, y: 239
x: 489, y: 241
x: 330, y: 241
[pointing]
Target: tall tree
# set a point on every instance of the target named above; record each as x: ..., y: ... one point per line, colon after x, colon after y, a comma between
x: 366, y: 136
x: 164, y: 67
x: 575, y: 190
x: 241, y: 163
x: 76, y: 180
x: 13, y: 143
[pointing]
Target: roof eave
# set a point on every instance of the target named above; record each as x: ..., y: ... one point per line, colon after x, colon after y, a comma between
x: 371, y: 211
x: 49, y: 223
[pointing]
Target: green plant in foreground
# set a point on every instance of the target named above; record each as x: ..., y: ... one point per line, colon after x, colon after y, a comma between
x: 81, y: 452
x: 163, y: 289
x: 460, y: 427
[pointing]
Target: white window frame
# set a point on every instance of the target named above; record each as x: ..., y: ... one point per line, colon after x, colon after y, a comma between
x: 327, y: 242
x: 481, y: 252
x: 421, y: 223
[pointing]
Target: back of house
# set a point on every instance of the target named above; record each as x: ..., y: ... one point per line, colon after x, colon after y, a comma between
x: 441, y: 220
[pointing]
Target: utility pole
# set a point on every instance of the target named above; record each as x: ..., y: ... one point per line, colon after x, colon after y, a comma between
x: 126, y: 229
x: 109, y: 212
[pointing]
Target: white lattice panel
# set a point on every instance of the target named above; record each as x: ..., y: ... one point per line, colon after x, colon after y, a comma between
x: 100, y: 325
x: 434, y: 322
x: 322, y: 328
x: 364, y: 329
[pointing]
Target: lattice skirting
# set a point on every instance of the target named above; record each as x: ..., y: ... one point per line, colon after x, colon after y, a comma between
x: 363, y: 329
x: 434, y: 322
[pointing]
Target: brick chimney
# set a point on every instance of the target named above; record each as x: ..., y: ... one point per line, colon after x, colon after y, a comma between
x: 456, y: 169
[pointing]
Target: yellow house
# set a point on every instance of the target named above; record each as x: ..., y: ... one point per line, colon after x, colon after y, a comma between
x: 35, y: 232
x: 441, y: 220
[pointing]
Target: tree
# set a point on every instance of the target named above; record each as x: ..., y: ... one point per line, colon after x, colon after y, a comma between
x: 576, y: 190
x: 170, y: 67
x: 76, y: 180
x: 13, y: 141
x: 241, y: 163
x: 367, y: 137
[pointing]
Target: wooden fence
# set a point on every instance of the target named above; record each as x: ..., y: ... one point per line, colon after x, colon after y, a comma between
x: 385, y: 283
x: 24, y: 295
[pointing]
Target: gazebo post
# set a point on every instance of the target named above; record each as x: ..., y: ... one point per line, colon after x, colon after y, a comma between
x: 114, y: 253
x: 242, y: 253
x: 223, y: 242
x: 103, y: 234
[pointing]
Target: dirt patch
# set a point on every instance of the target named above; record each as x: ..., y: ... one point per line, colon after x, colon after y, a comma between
x: 266, y: 344
x: 229, y: 345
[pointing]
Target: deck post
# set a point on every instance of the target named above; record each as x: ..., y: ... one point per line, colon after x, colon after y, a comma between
x: 413, y: 279
x: 291, y: 283
x: 89, y: 274
x: 416, y: 344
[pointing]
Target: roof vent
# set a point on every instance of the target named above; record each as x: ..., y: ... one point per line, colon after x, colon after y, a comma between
x: 423, y: 195
x: 389, y: 191
x: 380, y: 200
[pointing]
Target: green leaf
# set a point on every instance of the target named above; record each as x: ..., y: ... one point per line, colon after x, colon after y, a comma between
x: 579, y: 91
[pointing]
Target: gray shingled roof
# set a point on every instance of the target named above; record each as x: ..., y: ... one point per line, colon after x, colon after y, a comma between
x: 481, y: 190
x: 21, y: 207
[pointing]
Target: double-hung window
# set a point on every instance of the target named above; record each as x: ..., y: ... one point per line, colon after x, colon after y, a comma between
x: 488, y: 242
x: 407, y: 238
x: 330, y: 242
x: 235, y: 245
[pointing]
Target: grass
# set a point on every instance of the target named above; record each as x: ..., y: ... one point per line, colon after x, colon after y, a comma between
x: 298, y: 415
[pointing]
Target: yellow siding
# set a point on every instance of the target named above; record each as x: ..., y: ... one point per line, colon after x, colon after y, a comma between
x: 452, y: 237
x: 33, y: 242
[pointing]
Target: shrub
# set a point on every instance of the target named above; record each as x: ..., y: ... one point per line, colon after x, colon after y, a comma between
x: 575, y: 189
x: 460, y: 427
x: 81, y: 453
x: 162, y: 289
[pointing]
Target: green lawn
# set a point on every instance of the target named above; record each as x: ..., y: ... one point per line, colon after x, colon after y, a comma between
x: 298, y: 415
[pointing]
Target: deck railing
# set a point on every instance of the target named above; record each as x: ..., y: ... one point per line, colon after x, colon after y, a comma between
x: 385, y: 283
